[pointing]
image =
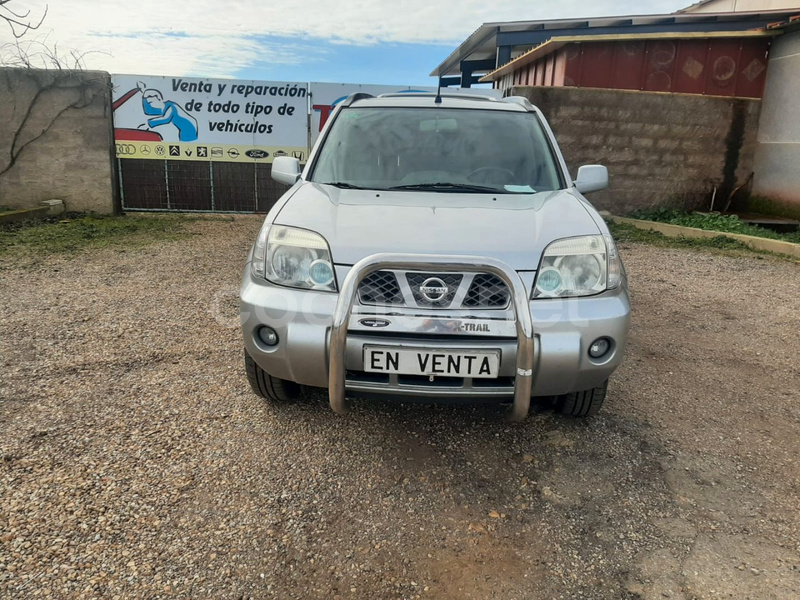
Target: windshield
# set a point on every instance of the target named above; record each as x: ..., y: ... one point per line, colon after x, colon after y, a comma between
x: 481, y: 151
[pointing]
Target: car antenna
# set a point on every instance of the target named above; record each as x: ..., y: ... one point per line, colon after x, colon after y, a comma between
x: 438, y: 99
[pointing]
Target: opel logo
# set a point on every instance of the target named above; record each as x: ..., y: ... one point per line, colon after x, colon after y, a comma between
x: 433, y: 289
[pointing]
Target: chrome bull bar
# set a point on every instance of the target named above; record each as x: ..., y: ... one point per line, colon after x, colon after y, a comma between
x: 435, y: 264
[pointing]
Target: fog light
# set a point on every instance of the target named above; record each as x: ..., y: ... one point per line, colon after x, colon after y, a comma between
x: 268, y: 335
x: 599, y: 347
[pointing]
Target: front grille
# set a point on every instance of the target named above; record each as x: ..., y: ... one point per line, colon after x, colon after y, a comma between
x: 452, y: 281
x: 402, y: 288
x: 487, y: 291
x: 380, y: 288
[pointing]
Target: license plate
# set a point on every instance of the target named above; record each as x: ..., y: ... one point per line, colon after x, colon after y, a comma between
x: 442, y: 363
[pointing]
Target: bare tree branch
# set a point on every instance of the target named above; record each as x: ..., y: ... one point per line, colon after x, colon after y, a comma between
x: 37, y: 53
x: 64, y: 73
x: 20, y: 22
x: 87, y: 89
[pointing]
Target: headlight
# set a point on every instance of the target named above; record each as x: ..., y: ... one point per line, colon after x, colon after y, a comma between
x: 293, y: 257
x: 579, y: 266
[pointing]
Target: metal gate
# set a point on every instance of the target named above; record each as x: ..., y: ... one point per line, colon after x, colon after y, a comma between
x: 192, y: 186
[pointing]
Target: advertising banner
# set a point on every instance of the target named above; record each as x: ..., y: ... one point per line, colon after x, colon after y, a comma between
x: 325, y: 97
x: 182, y: 118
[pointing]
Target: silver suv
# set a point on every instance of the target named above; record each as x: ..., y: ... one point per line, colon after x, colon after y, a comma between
x: 435, y: 246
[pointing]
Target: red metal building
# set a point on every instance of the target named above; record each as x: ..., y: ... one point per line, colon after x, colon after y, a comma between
x: 721, y: 54
x: 719, y: 64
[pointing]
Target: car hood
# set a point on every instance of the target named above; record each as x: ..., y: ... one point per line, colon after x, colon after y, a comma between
x: 513, y: 228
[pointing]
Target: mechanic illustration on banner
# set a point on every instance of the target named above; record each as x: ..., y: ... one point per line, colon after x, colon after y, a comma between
x: 163, y: 112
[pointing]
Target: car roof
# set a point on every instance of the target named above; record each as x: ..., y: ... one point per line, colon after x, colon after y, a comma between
x: 427, y: 100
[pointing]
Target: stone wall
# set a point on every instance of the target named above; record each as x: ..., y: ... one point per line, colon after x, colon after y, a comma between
x: 56, y: 139
x: 660, y: 149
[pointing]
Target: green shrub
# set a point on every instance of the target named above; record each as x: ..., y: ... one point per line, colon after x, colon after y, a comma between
x: 712, y: 222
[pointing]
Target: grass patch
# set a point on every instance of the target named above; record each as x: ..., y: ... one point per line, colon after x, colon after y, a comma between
x: 713, y: 222
x: 624, y: 232
x: 76, y: 232
x: 769, y: 206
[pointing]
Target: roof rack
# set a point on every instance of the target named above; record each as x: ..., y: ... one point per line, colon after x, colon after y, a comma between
x: 355, y: 97
x: 522, y: 101
x: 444, y: 95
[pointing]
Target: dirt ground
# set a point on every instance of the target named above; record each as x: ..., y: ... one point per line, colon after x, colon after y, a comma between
x: 135, y: 462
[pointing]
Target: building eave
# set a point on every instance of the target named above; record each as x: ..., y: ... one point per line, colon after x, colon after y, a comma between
x: 479, y: 37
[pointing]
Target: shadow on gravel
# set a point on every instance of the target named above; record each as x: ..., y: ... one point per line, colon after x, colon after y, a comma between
x: 570, y: 499
x: 597, y: 508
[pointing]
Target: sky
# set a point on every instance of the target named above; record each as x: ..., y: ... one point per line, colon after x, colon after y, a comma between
x: 358, y: 41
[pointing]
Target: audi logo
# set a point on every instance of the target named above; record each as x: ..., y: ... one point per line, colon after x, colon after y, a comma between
x: 126, y: 149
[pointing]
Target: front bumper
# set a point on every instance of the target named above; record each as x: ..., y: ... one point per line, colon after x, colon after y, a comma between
x: 563, y: 330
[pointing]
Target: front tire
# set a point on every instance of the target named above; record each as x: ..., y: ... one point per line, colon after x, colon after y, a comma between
x: 584, y: 404
x: 267, y: 386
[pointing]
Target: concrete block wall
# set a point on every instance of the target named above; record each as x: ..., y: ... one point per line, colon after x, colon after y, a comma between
x: 660, y: 149
x: 56, y: 139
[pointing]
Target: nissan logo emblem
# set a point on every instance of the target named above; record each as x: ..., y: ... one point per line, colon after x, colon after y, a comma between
x: 433, y: 289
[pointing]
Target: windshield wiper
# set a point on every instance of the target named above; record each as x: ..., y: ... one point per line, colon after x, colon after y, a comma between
x: 343, y: 185
x: 444, y: 186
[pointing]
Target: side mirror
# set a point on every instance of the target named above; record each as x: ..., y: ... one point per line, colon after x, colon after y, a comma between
x: 286, y: 169
x: 591, y: 178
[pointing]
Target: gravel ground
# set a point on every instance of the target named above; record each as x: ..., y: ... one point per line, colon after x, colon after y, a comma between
x: 136, y: 463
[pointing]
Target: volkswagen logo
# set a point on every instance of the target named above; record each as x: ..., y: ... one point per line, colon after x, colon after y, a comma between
x: 433, y: 289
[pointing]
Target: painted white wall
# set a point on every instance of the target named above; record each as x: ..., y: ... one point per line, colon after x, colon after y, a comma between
x: 777, y: 160
x: 716, y: 6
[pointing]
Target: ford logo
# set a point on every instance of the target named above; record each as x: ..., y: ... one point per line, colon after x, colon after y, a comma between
x: 256, y: 153
x: 374, y: 322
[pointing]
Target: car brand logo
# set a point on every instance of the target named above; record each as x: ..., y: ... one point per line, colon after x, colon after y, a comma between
x: 278, y: 153
x: 216, y: 152
x: 374, y: 322
x: 256, y: 153
x: 160, y: 150
x: 126, y: 149
x: 233, y: 153
x: 433, y: 289
x: 298, y: 154
x: 144, y: 149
